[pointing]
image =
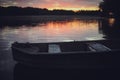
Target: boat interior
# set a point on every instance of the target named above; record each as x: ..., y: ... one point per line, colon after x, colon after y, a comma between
x: 69, y: 47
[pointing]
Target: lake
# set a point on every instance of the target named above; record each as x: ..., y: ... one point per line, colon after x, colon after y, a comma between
x: 50, y: 29
x: 37, y: 29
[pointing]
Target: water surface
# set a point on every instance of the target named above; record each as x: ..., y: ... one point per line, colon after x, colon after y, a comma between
x: 37, y: 29
x: 51, y: 29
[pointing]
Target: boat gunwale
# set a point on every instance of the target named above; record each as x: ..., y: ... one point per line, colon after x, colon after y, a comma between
x: 115, y: 40
x: 61, y: 53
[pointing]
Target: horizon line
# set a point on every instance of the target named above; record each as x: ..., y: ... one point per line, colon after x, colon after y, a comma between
x: 67, y: 9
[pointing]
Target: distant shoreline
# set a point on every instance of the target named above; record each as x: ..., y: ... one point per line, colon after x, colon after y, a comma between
x: 28, y: 11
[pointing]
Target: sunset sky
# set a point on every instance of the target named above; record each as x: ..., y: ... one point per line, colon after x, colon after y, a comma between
x: 54, y: 4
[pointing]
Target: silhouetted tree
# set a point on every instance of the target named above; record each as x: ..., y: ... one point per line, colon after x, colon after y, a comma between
x: 110, y: 7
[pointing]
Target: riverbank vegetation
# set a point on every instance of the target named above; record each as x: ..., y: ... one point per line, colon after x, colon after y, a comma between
x: 15, y: 11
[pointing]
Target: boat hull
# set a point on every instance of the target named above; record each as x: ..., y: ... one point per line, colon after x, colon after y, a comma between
x: 88, y: 59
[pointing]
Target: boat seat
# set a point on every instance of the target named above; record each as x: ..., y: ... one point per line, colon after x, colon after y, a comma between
x: 93, y: 46
x: 54, y: 48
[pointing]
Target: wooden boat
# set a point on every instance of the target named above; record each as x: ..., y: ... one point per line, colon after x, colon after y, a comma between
x: 68, y: 54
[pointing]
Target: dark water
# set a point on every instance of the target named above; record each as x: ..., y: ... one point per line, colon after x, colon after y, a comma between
x: 52, y: 29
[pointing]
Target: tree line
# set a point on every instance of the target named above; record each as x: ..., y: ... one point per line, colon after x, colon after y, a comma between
x: 14, y: 11
x: 107, y: 8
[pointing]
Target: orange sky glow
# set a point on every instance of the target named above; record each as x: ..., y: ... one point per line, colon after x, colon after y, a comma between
x: 54, y: 4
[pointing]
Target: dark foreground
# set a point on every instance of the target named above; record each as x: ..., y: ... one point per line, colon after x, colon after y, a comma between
x: 10, y: 70
x: 22, y: 72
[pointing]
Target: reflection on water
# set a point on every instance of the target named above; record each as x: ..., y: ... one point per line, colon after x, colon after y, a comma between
x: 111, y: 21
x: 22, y: 72
x: 50, y: 29
x: 110, y: 28
x: 77, y: 29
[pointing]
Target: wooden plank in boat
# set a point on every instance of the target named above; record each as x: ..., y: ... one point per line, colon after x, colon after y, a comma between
x: 54, y: 48
x: 97, y: 47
